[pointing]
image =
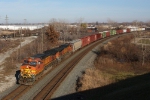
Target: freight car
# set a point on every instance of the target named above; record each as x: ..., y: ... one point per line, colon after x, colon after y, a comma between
x: 99, y: 36
x: 112, y: 32
x: 85, y: 41
x: 93, y: 38
x: 33, y: 67
x: 76, y: 44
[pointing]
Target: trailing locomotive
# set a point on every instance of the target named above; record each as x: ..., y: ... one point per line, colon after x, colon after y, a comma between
x: 33, y: 67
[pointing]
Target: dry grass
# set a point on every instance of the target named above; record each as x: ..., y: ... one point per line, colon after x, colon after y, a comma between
x: 107, y: 73
x: 6, y: 45
x: 109, y: 69
x: 93, y: 78
x: 6, y: 32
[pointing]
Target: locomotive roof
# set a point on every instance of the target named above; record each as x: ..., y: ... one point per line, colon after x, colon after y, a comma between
x: 59, y: 49
x: 54, y: 51
x: 50, y: 52
x: 64, y: 45
x: 41, y: 56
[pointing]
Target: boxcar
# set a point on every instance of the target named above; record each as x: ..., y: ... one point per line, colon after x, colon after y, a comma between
x: 128, y: 30
x: 117, y: 31
x: 99, y: 36
x: 93, y: 38
x: 107, y: 33
x: 76, y: 44
x: 112, y: 32
x: 85, y: 41
x: 120, y: 31
x: 103, y: 34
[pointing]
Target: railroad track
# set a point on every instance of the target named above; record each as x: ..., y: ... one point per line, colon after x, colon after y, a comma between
x: 53, y: 84
x: 15, y: 94
x: 50, y: 88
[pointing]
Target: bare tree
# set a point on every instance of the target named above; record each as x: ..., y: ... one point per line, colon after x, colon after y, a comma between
x: 62, y: 27
x: 112, y: 23
x: 148, y: 23
x: 52, y: 35
x: 79, y: 22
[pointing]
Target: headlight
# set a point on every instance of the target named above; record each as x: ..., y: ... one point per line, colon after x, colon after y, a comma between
x: 33, y: 71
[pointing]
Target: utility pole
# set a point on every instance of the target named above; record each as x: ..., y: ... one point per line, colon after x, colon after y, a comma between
x: 42, y: 44
x: 25, y: 21
x: 42, y: 38
x: 20, y: 31
x: 6, y: 18
x: 25, y: 27
x: 14, y: 31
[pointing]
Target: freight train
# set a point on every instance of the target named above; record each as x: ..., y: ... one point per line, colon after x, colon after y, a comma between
x: 33, y: 67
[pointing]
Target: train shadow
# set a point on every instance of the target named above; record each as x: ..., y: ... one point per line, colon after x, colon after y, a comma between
x: 17, y: 76
x: 97, y: 52
x: 135, y: 88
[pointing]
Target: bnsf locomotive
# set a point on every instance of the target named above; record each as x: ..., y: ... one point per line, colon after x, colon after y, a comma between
x: 34, y: 66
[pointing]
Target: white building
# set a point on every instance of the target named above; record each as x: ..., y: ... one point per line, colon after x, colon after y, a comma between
x: 17, y: 27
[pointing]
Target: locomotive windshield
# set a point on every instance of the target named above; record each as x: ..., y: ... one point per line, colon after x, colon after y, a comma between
x: 25, y: 62
x: 33, y: 63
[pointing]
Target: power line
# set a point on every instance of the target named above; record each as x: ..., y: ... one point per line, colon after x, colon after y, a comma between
x: 25, y: 21
x: 6, y: 18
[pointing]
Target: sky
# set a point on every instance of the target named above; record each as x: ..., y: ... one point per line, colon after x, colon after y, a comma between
x: 39, y: 11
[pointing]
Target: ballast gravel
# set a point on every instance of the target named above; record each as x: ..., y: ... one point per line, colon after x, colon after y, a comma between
x: 68, y: 86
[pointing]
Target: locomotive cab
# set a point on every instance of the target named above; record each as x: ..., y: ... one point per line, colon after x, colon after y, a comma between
x: 30, y: 68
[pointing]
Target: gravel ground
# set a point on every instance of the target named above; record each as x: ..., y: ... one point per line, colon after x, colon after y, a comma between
x: 10, y: 81
x: 6, y: 54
